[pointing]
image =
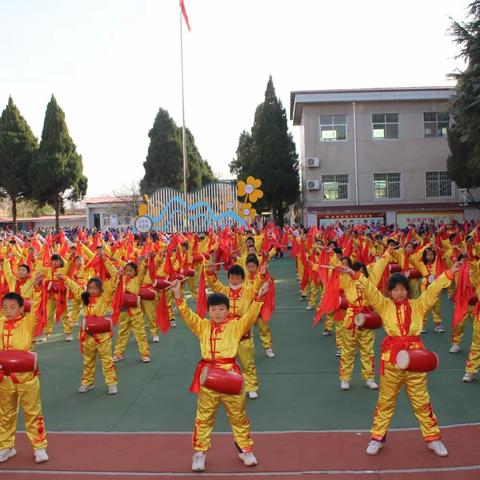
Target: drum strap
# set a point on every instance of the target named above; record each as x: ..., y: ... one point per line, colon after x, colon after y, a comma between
x: 395, y: 344
x: 195, y: 386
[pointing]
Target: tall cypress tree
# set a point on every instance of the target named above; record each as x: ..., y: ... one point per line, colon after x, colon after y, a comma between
x: 242, y: 164
x: 464, y: 133
x: 17, y: 148
x: 58, y: 169
x: 164, y: 162
x: 275, y: 159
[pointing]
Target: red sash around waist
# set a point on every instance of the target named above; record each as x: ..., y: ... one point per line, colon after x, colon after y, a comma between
x: 195, y: 386
x: 395, y: 344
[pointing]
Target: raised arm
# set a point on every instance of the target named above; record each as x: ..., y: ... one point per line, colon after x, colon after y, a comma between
x: 428, y: 298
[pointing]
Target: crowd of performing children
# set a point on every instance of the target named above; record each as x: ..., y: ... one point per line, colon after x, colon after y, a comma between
x: 354, y: 279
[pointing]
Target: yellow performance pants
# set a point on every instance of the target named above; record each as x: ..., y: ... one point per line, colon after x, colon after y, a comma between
x: 126, y: 324
x: 330, y: 323
x: 27, y: 395
x: 314, y: 293
x: 101, y: 344
x: 416, y: 389
x: 148, y: 307
x: 265, y: 333
x: 361, y: 339
x: 246, y: 354
x: 191, y: 286
x: 207, y: 405
x: 459, y: 330
x: 75, y: 308
x: 66, y: 320
x: 437, y: 319
x: 473, y: 361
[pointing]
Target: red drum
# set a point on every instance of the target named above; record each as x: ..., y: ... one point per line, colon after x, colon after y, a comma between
x: 369, y: 320
x: 17, y: 361
x: 130, y: 300
x: 94, y: 324
x: 417, y: 360
x: 146, y: 293
x: 189, y: 272
x: 343, y: 303
x: 53, y: 286
x: 473, y: 300
x: 227, y: 382
x: 27, y: 305
x: 414, y: 273
x: 395, y: 268
x: 161, y: 283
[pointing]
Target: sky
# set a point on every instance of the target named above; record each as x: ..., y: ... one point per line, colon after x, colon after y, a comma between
x: 111, y: 64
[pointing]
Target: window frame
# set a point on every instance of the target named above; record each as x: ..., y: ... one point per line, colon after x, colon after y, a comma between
x: 376, y: 139
x: 400, y: 186
x: 347, y: 183
x: 333, y: 125
x: 436, y: 122
x: 452, y: 193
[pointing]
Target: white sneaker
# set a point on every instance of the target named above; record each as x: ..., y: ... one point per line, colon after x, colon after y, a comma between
x: 338, y: 352
x: 145, y: 359
x: 198, y: 461
x: 438, y: 448
x: 118, y: 358
x: 173, y: 323
x: 44, y: 338
x: 439, y: 328
x: 468, y: 377
x: 455, y: 348
x: 309, y: 307
x: 40, y: 455
x: 155, y: 339
x: 248, y: 459
x: 344, y: 385
x: 69, y: 338
x: 374, y: 447
x: 7, y: 453
x: 424, y: 330
x: 112, y: 389
x: 85, y: 388
x: 269, y: 353
x: 252, y: 395
x: 371, y: 384
x: 326, y: 333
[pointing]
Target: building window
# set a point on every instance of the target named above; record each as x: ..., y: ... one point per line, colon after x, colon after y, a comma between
x: 106, y: 219
x: 335, y: 187
x: 435, y: 124
x: 124, y: 220
x: 385, y: 125
x: 386, y: 185
x: 333, y: 128
x: 438, y: 184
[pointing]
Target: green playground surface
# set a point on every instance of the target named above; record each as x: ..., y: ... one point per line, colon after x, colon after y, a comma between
x: 299, y: 389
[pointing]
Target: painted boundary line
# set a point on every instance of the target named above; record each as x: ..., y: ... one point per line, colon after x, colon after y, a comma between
x: 266, y: 432
x: 471, y: 468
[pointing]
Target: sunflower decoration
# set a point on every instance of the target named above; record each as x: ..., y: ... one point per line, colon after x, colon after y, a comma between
x: 250, y: 189
x: 246, y: 211
x: 143, y: 207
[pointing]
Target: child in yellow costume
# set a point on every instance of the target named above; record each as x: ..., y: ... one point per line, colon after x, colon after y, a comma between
x: 219, y: 339
x: 265, y: 333
x: 80, y: 276
x: 402, y: 320
x: 473, y: 360
x: 131, y: 318
x: 240, y: 297
x: 22, y: 283
x: 96, y: 301
x: 17, y: 332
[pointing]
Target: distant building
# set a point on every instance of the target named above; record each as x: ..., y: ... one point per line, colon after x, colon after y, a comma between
x: 45, y: 221
x: 376, y: 155
x: 103, y: 213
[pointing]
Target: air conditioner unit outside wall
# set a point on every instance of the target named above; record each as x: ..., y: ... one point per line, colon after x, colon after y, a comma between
x: 313, y: 162
x: 313, y: 184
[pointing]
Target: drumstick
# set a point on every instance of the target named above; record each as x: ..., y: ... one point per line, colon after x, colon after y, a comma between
x: 181, y: 281
x: 329, y: 267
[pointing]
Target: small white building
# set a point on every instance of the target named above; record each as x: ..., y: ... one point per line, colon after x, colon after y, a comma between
x: 103, y: 213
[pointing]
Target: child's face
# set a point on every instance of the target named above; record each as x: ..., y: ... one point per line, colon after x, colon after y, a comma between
x: 399, y: 293
x: 252, y: 267
x: 345, y: 262
x: 93, y: 289
x: 11, y: 309
x: 430, y: 256
x: 218, y: 313
x: 56, y: 263
x: 130, y: 272
x: 235, y: 280
x: 22, y: 272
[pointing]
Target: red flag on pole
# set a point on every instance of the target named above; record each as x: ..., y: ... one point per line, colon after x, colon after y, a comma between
x: 184, y: 13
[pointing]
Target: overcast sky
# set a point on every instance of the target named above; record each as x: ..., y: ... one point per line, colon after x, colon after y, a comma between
x: 112, y: 63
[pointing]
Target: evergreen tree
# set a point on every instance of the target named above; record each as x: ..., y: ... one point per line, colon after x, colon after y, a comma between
x: 17, y: 148
x: 275, y: 159
x: 57, y: 170
x: 164, y: 162
x: 242, y: 164
x: 464, y: 134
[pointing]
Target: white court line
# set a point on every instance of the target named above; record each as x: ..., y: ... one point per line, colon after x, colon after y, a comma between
x: 266, y: 432
x: 470, y: 468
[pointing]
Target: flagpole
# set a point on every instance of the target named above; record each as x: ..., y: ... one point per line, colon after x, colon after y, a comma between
x: 184, y: 142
